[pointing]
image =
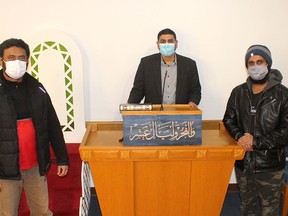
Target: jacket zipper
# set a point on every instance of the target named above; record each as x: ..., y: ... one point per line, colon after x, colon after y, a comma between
x: 255, y: 119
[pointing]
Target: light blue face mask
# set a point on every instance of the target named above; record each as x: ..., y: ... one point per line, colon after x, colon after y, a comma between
x: 167, y: 49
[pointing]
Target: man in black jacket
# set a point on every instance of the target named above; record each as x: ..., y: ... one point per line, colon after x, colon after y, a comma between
x: 257, y: 117
x: 166, y: 77
x: 28, y: 125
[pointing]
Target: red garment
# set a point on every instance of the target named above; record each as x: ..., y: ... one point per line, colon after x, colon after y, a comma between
x: 27, y: 144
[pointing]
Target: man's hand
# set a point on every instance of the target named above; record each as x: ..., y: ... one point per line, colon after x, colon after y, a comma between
x: 193, y: 105
x: 246, y: 142
x: 62, y: 171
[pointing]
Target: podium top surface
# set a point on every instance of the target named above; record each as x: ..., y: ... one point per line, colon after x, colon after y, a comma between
x: 178, y: 109
x: 101, y: 142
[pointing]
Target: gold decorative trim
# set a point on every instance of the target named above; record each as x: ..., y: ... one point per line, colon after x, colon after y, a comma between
x: 238, y: 153
x: 201, y: 154
x: 86, y: 155
x: 163, y: 154
x: 124, y: 155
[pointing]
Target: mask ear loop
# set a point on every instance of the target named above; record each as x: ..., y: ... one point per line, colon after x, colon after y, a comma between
x: 2, y: 63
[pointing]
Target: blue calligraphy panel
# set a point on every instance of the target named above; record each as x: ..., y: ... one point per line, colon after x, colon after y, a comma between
x: 165, y: 130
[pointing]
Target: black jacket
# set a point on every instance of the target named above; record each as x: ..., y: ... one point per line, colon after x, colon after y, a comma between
x: 147, y: 82
x: 47, y: 129
x: 271, y: 123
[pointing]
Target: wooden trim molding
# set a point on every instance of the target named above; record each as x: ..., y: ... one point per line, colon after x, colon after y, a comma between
x: 118, y: 125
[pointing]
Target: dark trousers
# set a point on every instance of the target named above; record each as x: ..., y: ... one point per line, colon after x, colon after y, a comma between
x: 264, y: 188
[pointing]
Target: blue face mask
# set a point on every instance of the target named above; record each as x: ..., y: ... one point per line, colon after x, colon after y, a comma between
x: 167, y: 49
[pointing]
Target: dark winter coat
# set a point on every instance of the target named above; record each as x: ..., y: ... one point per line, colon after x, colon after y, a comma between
x: 47, y: 129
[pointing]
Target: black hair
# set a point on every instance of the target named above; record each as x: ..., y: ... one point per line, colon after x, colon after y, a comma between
x: 14, y: 42
x: 166, y: 31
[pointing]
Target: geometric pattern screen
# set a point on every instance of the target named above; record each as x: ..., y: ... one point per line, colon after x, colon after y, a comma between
x: 67, y: 69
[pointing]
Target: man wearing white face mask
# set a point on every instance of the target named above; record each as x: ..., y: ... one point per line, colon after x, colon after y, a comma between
x: 257, y: 117
x: 15, y: 69
x: 28, y: 126
x: 166, y: 77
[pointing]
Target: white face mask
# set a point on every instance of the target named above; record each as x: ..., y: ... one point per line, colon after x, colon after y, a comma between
x: 15, y: 69
x: 257, y: 72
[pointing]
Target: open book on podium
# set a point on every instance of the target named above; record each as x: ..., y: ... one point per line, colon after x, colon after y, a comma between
x: 168, y: 124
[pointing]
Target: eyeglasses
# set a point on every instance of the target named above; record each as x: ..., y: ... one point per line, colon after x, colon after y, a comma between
x: 258, y: 62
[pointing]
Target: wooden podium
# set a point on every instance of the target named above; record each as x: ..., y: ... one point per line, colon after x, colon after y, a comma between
x: 158, y: 180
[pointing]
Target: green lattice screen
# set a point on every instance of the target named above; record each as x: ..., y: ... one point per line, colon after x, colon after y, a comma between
x: 69, y: 126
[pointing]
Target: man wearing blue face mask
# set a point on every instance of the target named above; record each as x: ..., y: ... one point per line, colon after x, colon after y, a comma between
x: 257, y: 117
x: 166, y: 77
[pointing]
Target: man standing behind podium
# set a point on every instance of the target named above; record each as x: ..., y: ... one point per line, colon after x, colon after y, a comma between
x: 166, y: 77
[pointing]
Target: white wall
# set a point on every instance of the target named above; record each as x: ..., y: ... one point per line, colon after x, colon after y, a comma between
x: 113, y: 36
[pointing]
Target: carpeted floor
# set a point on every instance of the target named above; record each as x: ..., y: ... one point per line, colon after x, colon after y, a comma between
x: 65, y: 192
x: 231, y: 205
